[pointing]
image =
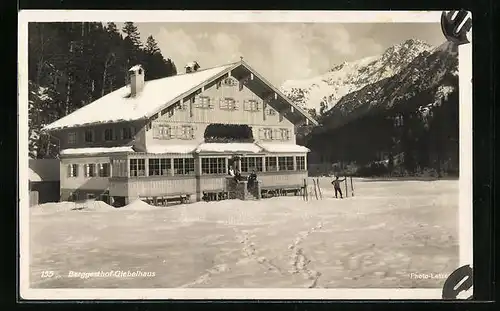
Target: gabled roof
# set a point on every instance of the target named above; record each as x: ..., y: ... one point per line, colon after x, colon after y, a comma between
x: 44, y: 169
x: 156, y: 95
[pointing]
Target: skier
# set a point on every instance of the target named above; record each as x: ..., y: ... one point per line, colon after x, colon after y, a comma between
x: 336, y: 185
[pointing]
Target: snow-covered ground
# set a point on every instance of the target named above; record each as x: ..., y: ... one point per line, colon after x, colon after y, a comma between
x: 376, y: 239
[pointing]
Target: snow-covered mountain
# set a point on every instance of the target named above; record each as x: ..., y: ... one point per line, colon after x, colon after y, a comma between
x: 345, y: 78
x: 420, y: 85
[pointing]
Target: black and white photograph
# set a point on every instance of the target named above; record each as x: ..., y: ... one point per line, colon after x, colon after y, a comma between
x: 259, y: 155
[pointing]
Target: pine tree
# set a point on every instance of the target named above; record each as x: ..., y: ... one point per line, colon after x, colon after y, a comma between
x: 111, y: 28
x: 72, y: 64
x: 151, y: 46
x: 130, y: 29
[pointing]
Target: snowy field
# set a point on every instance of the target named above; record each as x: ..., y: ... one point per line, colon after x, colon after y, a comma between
x: 383, y: 237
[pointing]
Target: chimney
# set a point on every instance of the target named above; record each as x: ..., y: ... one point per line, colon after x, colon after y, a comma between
x: 192, y: 67
x: 136, y: 80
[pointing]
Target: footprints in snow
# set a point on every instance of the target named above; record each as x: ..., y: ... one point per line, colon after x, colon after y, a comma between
x: 204, y: 278
x: 299, y: 262
x: 250, y: 252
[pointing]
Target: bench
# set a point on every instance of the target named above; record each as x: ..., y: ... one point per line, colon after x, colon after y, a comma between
x: 164, y: 200
x: 282, y: 190
x: 215, y: 195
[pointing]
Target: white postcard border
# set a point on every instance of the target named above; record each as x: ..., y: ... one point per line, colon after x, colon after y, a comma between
x: 465, y: 183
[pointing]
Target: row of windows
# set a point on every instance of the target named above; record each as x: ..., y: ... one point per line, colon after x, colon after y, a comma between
x: 108, y: 134
x: 167, y: 131
x: 226, y: 103
x: 229, y: 103
x: 160, y: 167
x: 274, y: 134
x: 184, y: 166
x: 90, y: 170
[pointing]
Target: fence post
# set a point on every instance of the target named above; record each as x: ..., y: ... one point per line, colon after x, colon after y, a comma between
x: 352, y: 187
x: 319, y: 189
x: 345, y: 182
x: 305, y: 190
x: 315, y: 189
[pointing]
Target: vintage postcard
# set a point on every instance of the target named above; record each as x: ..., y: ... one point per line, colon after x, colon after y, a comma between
x: 245, y: 155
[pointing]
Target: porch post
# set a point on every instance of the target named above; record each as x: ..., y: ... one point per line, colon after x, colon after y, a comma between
x: 263, y: 163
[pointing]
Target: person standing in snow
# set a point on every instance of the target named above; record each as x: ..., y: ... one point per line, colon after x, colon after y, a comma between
x: 336, y: 185
x: 252, y: 178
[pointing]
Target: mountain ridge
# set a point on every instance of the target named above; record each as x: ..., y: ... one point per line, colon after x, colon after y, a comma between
x: 324, y: 91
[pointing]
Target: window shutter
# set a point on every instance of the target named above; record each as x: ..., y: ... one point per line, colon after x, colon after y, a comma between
x: 86, y: 170
x: 261, y: 134
x: 69, y: 170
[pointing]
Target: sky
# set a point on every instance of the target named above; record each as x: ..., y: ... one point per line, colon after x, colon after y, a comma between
x: 282, y: 51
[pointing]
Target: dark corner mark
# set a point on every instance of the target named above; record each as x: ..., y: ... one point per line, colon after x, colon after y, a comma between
x: 456, y: 25
x: 459, y: 281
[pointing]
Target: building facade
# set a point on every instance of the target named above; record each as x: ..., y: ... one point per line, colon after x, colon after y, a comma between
x: 152, y: 139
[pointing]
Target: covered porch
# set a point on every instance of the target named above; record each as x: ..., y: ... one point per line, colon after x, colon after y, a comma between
x: 203, y: 174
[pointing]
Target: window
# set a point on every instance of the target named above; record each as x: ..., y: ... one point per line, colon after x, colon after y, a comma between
x: 108, y: 135
x: 227, y: 103
x: 301, y: 163
x: 184, y: 166
x: 251, y: 105
x: 71, y: 138
x: 285, y: 163
x: 229, y: 82
x: 162, y: 131
x: 249, y: 164
x: 90, y: 196
x: 284, y: 134
x: 104, y: 169
x: 183, y: 105
x: 204, y: 102
x: 137, y: 167
x: 276, y: 134
x: 89, y: 136
x: 90, y: 170
x: 271, y: 165
x: 73, y: 170
x: 213, y: 166
x: 271, y: 112
x: 186, y: 132
x: 119, y: 168
x: 267, y: 134
x: 128, y: 132
x: 159, y: 167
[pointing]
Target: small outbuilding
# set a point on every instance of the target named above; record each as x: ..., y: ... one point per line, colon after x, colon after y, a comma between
x: 44, y: 181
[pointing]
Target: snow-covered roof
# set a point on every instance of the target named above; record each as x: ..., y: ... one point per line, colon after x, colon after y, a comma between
x: 191, y: 64
x: 33, y: 176
x: 44, y: 170
x: 171, y: 149
x: 118, y: 106
x: 96, y: 150
x: 228, y: 147
x: 283, y: 148
x: 135, y: 68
